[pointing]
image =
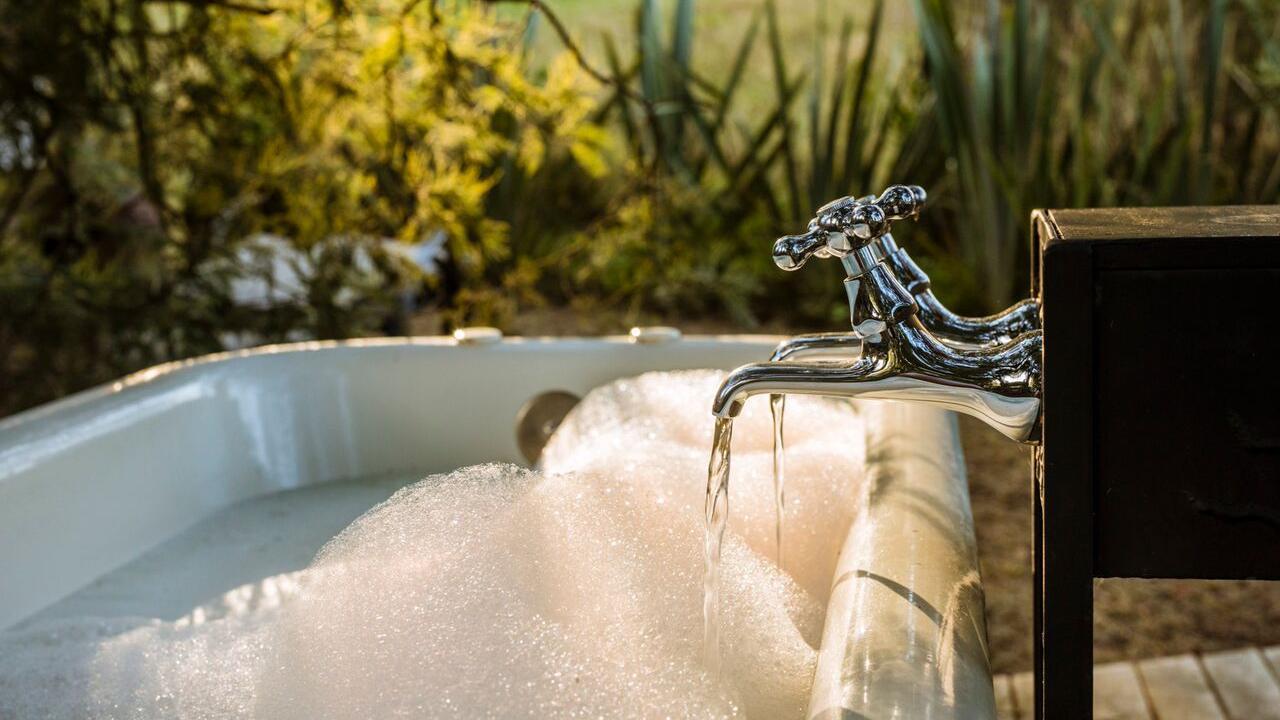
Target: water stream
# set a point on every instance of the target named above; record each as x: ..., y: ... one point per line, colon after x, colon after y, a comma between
x: 777, y: 408
x: 717, y: 517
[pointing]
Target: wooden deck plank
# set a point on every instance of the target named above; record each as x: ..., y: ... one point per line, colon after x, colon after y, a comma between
x: 1005, y: 707
x: 1178, y: 690
x: 1272, y: 654
x: 1022, y: 686
x: 1244, y: 683
x: 1117, y: 693
x: 1228, y: 685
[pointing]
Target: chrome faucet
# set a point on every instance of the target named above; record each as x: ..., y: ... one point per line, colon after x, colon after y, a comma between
x: 901, y: 358
x: 963, y: 332
x: 959, y: 330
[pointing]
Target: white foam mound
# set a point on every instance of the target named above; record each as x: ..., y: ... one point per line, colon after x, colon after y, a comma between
x: 655, y: 430
x: 501, y: 592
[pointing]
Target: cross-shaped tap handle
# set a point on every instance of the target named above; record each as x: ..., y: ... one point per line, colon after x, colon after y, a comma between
x: 841, y: 226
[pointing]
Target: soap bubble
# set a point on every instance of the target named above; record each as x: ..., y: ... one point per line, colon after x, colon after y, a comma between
x: 658, y: 428
x: 496, y: 591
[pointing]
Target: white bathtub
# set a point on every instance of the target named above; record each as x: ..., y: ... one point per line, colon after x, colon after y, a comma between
x: 115, y: 501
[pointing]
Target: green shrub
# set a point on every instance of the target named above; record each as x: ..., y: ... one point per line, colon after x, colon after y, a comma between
x: 147, y: 145
x: 701, y: 191
x: 1000, y: 109
x: 1092, y: 104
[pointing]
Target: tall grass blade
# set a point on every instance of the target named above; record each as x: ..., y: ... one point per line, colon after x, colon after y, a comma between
x: 753, y: 156
x: 653, y: 83
x: 629, y: 131
x: 680, y: 58
x: 530, y: 34
x: 708, y: 134
x: 827, y: 156
x: 1212, y: 63
x: 736, y: 72
x: 682, y: 34
x: 787, y: 126
x: 1178, y: 51
x: 817, y: 183
x: 852, y: 167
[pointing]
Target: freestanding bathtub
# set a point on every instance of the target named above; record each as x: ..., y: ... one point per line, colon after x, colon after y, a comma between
x: 119, y: 500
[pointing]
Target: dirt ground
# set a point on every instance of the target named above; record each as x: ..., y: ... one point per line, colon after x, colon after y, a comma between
x: 1132, y: 618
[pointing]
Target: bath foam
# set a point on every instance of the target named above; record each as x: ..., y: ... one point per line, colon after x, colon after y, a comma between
x: 133, y: 668
x: 580, y: 597
x: 622, y: 427
x: 491, y: 591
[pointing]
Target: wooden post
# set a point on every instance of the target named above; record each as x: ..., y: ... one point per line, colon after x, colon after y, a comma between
x: 1064, y: 496
x: 1161, y: 443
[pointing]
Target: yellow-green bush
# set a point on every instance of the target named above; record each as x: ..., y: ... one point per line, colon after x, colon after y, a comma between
x: 145, y: 144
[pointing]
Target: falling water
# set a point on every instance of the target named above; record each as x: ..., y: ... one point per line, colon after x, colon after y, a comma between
x: 717, y: 516
x: 778, y: 406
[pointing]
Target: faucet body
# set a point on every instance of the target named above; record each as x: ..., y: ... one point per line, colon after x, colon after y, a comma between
x: 906, y: 362
x: 959, y: 331
x: 901, y: 358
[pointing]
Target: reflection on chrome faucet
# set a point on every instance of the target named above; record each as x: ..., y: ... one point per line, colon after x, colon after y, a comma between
x: 949, y: 327
x: 901, y: 356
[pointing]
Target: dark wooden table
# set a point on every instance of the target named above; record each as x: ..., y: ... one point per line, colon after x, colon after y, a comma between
x: 1161, y: 452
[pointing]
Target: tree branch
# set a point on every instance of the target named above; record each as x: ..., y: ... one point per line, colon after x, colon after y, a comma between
x: 224, y: 4
x: 576, y: 52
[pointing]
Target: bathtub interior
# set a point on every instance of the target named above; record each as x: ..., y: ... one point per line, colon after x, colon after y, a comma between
x: 237, y: 546
x: 156, y: 494
x: 186, y: 480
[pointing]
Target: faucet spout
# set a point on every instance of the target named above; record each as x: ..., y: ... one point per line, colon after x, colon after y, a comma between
x: 998, y: 386
x: 795, y: 378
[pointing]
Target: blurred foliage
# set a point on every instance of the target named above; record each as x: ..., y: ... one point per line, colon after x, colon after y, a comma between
x: 1003, y: 107
x: 154, y: 155
x: 706, y: 190
x: 1093, y: 104
x: 147, y: 148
